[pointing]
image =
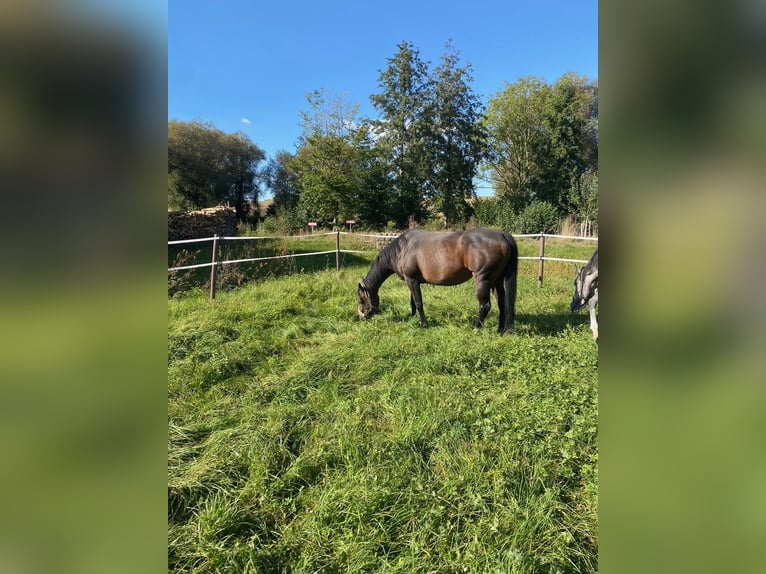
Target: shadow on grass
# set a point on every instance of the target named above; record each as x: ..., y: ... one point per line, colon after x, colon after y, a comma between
x: 553, y: 324
x: 530, y: 324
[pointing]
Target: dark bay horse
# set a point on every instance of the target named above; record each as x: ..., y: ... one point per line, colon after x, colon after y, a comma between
x: 417, y: 256
x: 586, y: 291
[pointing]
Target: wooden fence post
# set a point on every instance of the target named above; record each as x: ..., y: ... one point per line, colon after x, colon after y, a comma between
x: 541, y: 262
x: 337, y: 251
x: 213, y: 267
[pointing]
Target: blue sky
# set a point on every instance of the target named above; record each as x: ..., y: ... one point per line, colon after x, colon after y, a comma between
x: 247, y: 65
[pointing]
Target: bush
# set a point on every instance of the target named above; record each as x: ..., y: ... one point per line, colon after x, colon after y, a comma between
x: 538, y: 217
x: 288, y: 221
x: 495, y: 213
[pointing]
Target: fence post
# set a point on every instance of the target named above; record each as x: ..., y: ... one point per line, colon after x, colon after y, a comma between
x: 541, y: 262
x: 213, y: 267
x: 337, y: 251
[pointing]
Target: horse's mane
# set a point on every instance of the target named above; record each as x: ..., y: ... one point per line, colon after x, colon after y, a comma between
x: 385, y: 262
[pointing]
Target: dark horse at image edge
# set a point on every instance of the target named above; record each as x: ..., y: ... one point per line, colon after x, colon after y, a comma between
x: 417, y: 256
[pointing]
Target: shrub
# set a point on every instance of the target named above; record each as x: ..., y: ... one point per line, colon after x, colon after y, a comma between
x: 288, y: 221
x: 538, y: 217
x: 495, y: 213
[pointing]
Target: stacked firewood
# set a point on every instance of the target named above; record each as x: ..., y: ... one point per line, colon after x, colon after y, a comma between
x: 203, y: 223
x: 382, y: 241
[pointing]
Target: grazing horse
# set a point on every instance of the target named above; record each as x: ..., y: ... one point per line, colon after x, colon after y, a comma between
x: 417, y: 256
x: 586, y: 291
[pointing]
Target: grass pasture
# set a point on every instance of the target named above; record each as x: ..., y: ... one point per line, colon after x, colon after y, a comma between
x: 303, y: 440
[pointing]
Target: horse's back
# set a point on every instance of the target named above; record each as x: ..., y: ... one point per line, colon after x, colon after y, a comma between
x: 453, y: 258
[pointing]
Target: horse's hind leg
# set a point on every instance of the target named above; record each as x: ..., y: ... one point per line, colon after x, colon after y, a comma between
x: 482, y: 294
x: 500, y: 298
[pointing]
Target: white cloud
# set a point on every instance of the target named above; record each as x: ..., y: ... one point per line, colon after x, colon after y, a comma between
x: 245, y: 121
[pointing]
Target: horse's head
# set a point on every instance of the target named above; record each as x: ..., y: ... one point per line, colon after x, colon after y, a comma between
x: 585, y: 286
x: 368, y: 301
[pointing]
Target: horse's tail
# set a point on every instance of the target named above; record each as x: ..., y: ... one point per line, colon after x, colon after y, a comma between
x: 509, y: 281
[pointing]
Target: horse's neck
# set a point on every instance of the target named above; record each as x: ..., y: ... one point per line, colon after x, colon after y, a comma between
x: 378, y: 273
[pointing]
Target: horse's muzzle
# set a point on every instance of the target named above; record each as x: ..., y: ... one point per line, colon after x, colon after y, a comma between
x: 366, y: 313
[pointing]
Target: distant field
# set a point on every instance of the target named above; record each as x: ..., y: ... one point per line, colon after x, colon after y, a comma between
x: 303, y: 440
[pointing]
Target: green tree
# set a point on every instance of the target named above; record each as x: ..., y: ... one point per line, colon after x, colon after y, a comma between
x: 193, y: 162
x: 331, y: 166
x: 541, y: 139
x: 458, y: 138
x: 240, y: 176
x: 583, y: 196
x: 538, y: 216
x: 514, y: 121
x: 568, y: 149
x: 280, y: 179
x: 207, y: 167
x: 404, y: 129
x: 329, y: 177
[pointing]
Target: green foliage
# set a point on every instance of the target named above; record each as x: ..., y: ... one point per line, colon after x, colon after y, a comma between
x: 431, y: 138
x: 288, y: 221
x: 495, y: 212
x: 207, y: 167
x: 514, y: 120
x: 583, y: 196
x: 303, y: 440
x: 281, y: 180
x: 457, y: 139
x: 336, y: 171
x: 538, y: 217
x: 542, y: 137
x: 404, y: 129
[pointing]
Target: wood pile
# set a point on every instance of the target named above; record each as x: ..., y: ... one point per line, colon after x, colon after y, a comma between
x: 203, y: 223
x: 381, y: 242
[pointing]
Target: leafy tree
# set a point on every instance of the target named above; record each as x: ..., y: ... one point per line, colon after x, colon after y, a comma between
x: 404, y: 129
x: 541, y: 139
x: 583, y: 196
x: 375, y: 203
x: 207, y: 167
x: 514, y: 122
x: 329, y: 116
x: 457, y: 138
x: 328, y: 173
x: 495, y: 212
x: 331, y: 166
x: 193, y: 162
x: 239, y: 176
x: 568, y: 149
x: 280, y: 178
x: 539, y: 216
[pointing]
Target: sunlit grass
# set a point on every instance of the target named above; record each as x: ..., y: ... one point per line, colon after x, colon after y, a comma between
x: 303, y: 440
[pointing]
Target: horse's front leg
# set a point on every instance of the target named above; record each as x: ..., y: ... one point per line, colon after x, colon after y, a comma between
x: 482, y: 294
x: 416, y: 299
x: 593, y: 322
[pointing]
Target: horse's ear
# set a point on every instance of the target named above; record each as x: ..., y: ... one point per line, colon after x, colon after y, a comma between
x: 362, y: 286
x: 577, y: 269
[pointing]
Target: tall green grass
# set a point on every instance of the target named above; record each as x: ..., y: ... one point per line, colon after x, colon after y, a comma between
x: 303, y: 440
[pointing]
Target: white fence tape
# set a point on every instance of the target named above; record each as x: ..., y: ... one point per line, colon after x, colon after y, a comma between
x: 230, y: 261
x: 377, y: 236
